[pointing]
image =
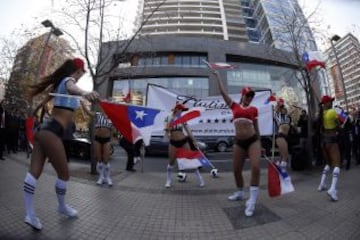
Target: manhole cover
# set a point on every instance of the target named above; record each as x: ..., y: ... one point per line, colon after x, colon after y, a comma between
x: 261, y: 216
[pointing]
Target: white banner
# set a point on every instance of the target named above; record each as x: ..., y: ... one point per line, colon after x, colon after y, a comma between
x: 216, y: 120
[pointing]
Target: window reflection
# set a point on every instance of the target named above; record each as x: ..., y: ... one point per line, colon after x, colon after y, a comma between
x: 194, y: 86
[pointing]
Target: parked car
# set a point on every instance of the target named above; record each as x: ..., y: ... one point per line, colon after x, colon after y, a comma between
x: 159, y: 145
x: 81, y: 148
x: 217, y: 143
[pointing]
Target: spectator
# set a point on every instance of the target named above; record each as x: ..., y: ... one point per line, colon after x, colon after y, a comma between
x: 2, y: 130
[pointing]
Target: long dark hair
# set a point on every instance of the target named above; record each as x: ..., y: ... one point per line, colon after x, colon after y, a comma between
x: 52, y: 81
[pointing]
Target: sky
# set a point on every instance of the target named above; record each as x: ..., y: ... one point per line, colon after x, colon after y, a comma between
x: 340, y: 15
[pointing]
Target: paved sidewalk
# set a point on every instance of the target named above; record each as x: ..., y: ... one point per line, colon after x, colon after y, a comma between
x: 139, y: 207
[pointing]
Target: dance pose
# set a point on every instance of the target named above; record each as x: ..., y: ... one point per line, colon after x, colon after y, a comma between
x: 330, y: 123
x: 178, y: 139
x: 282, y: 123
x: 48, y: 140
x: 247, y: 144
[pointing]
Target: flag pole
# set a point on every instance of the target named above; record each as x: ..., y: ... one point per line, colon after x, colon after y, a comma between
x: 65, y: 95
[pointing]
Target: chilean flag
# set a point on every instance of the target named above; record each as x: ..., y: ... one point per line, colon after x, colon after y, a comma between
x: 133, y: 122
x: 313, y: 59
x: 185, y: 116
x: 29, y: 130
x: 341, y: 114
x: 219, y: 65
x: 279, y: 182
x: 188, y: 159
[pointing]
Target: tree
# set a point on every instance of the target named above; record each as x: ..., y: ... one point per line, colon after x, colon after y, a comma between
x: 292, y: 33
x: 98, y: 21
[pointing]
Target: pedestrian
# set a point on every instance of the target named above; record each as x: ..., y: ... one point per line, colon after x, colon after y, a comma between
x: 247, y: 143
x: 2, y: 130
x: 102, y: 145
x: 330, y: 147
x: 129, y: 147
x: 282, y: 126
x: 48, y: 140
x: 178, y: 139
x: 345, y: 142
x: 356, y: 134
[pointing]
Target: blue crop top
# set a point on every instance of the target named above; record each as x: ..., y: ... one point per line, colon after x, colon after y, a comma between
x: 65, y: 102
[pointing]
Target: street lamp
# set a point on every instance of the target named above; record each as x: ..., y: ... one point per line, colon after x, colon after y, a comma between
x: 333, y: 39
x: 53, y: 30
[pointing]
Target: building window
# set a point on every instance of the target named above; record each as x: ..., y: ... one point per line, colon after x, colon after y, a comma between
x: 189, y: 86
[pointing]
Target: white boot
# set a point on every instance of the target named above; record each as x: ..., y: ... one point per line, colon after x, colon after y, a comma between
x: 250, y: 203
x: 60, y: 188
x: 100, y: 169
x: 322, y: 185
x: 168, y: 176
x: 199, y: 178
x: 107, y: 175
x: 332, y: 192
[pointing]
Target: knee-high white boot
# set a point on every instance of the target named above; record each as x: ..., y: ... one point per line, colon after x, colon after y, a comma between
x: 322, y: 185
x: 100, y: 170
x: 60, y: 189
x: 107, y: 174
x: 168, y: 175
x: 199, y: 178
x: 29, y: 190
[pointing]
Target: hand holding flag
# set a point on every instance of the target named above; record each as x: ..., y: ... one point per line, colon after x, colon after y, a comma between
x: 279, y: 182
x: 189, y: 159
x: 185, y: 116
x: 133, y: 122
x: 219, y: 65
x: 313, y: 59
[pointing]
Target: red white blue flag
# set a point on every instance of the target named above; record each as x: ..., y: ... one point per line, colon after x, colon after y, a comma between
x: 188, y: 159
x: 29, y: 129
x: 313, y: 59
x: 342, y: 115
x: 219, y: 65
x: 185, y: 116
x: 279, y: 182
x: 133, y: 122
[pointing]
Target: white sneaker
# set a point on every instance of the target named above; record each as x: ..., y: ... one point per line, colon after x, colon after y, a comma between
x: 168, y: 184
x: 136, y: 160
x: 333, y: 195
x: 68, y: 211
x: 202, y: 183
x: 34, y: 222
x: 236, y: 196
x: 100, y: 181
x: 249, y: 209
x: 322, y: 187
x: 109, y: 181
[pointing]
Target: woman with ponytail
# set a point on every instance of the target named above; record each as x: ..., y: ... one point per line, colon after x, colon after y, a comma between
x: 48, y: 139
x: 330, y: 123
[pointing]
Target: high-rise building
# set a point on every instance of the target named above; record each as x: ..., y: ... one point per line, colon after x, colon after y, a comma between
x: 343, y: 64
x: 218, y: 19
x: 35, y: 59
x: 279, y: 21
x: 178, y: 35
